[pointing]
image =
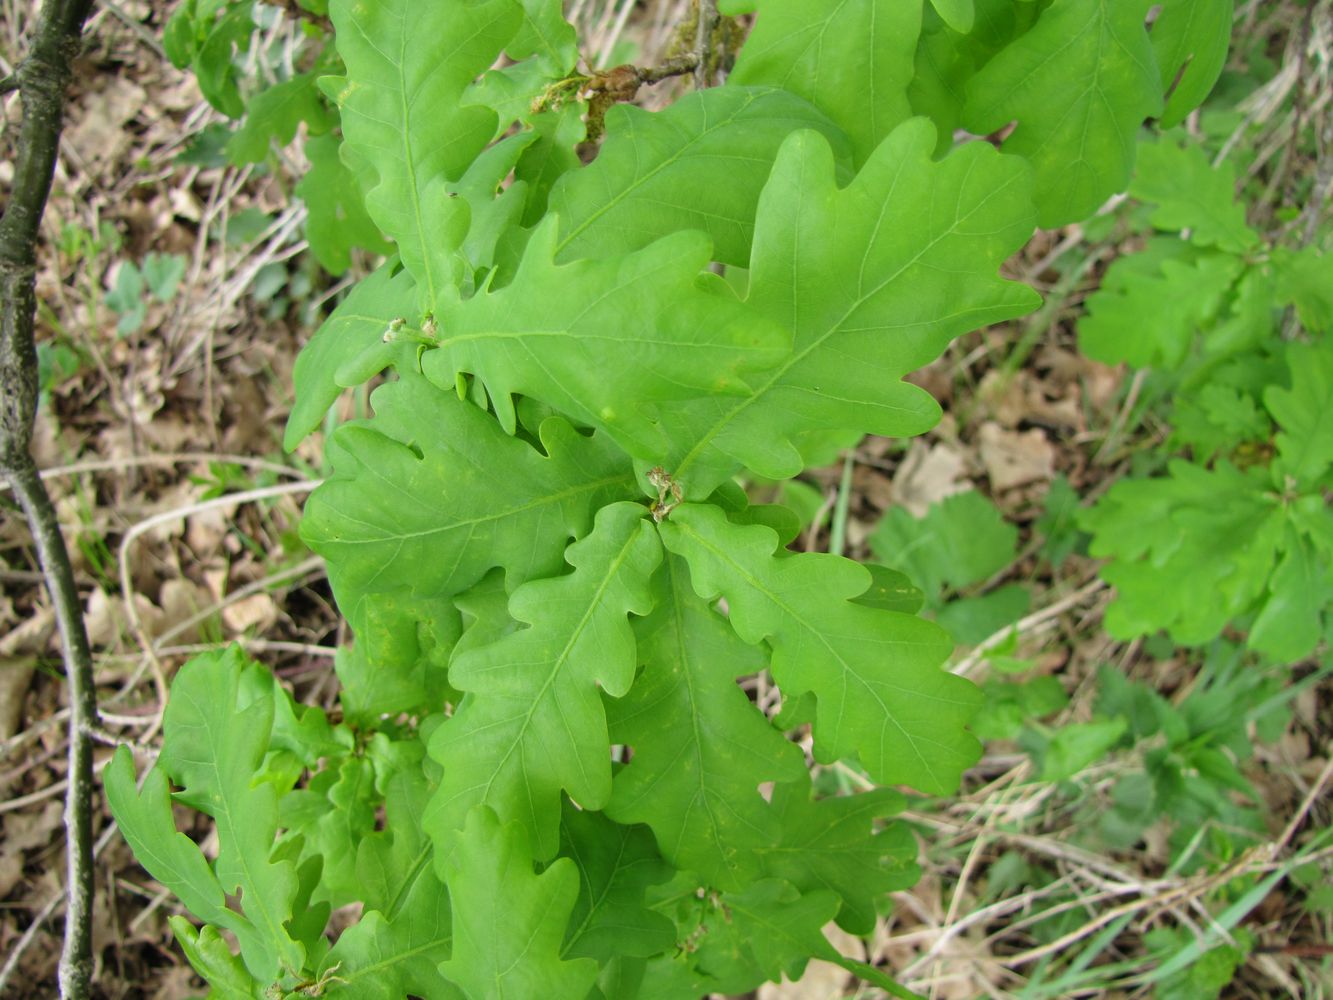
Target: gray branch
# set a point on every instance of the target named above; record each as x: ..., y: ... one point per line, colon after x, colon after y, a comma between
x: 41, y: 80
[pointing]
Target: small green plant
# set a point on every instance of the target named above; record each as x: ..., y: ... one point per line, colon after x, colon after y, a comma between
x: 156, y: 279
x: 1242, y: 514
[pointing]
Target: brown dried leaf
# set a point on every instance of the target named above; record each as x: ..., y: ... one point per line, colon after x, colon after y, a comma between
x: 1014, y: 458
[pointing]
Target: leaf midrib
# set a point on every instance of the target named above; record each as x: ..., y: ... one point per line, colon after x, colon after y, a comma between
x: 833, y: 329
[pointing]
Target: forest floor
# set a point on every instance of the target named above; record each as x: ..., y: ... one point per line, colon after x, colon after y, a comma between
x: 175, y: 295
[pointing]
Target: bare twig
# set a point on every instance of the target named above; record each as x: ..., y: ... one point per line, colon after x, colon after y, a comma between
x: 42, y: 79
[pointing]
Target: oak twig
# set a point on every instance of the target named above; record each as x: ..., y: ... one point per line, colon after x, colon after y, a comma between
x: 42, y: 78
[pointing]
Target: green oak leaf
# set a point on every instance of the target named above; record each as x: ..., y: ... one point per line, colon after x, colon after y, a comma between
x: 875, y: 674
x: 508, y: 922
x: 406, y: 931
x: 494, y: 208
x: 333, y: 813
x: 1079, y: 84
x: 1190, y: 38
x: 209, y: 955
x: 946, y: 59
x: 274, y: 114
x: 400, y: 660
x: 431, y: 494
x: 1305, y: 412
x: 1214, y: 531
x: 357, y: 325
x: 853, y: 60
x: 768, y: 931
x: 551, y: 155
x: 698, y: 164
x: 407, y: 67
x: 146, y: 823
x: 213, y: 745
x: 1192, y: 194
x: 701, y: 748
x: 832, y: 843
x: 874, y: 280
x: 600, y: 340
x: 546, y: 34
x: 957, y: 14
x: 208, y: 36
x: 336, y: 219
x: 532, y: 721
x: 615, y: 864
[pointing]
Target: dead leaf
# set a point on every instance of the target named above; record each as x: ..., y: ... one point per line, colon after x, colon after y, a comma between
x: 108, y: 622
x: 1014, y: 458
x: 258, y: 612
x: 927, y: 476
x: 15, y: 676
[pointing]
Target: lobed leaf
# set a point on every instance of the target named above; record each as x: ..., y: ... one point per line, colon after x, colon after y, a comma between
x: 946, y: 59
x: 1214, y: 531
x: 212, y: 746
x: 832, y: 843
x: 210, y: 956
x: 698, y: 164
x: 1079, y: 84
x: 1191, y: 194
x: 873, y: 280
x: 701, y: 749
x: 407, y: 67
x: 601, y: 340
x: 336, y: 219
x: 357, y: 325
x: 508, y: 922
x: 532, y: 721
x: 1151, y: 305
x: 616, y: 864
x: 1305, y: 413
x: 1190, y: 38
x: 961, y: 540
x: 395, y: 949
x: 400, y: 661
x: 146, y: 822
x: 433, y: 494
x: 274, y: 114
x: 546, y: 34
x: 771, y: 931
x: 1300, y: 589
x: 853, y: 60
x: 875, y: 674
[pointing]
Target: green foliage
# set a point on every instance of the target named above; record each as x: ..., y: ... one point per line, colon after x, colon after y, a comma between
x: 1080, y: 136
x: 136, y: 286
x: 1246, y: 520
x: 698, y: 164
x: 853, y: 61
x: 961, y: 541
x: 553, y: 579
